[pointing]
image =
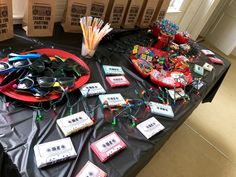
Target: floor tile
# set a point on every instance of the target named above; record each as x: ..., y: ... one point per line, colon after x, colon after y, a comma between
x: 216, y: 121
x: 186, y: 154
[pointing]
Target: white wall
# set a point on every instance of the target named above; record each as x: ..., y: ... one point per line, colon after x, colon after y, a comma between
x: 234, y: 52
x: 18, y: 8
x: 177, y: 16
x: 197, y: 15
x: 60, y: 9
x: 214, y: 18
x: 223, y: 35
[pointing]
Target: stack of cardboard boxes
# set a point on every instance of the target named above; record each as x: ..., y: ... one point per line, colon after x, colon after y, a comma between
x: 119, y: 13
x: 131, y: 13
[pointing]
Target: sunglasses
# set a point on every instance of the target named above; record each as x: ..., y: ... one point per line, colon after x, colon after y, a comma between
x: 35, y: 92
x: 25, y: 83
x: 6, y: 67
x: 27, y: 86
x: 59, y: 73
x: 56, y: 63
x: 48, y: 82
x: 71, y: 66
x: 16, y: 57
x: 11, y: 78
x: 45, y: 59
x: 37, y: 66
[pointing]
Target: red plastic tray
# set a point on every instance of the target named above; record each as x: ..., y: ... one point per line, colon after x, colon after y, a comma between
x: 163, y: 81
x: 50, y: 52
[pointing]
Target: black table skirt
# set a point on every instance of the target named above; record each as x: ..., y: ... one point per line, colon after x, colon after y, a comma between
x: 19, y: 131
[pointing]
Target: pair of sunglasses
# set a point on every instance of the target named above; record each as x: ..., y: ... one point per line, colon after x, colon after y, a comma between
x: 72, y: 67
x: 11, y: 78
x: 16, y: 57
x: 6, y: 67
x: 45, y: 82
x: 44, y: 63
x: 26, y: 85
x: 49, y: 82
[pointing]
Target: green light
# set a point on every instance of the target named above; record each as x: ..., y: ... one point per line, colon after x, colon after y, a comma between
x: 39, y: 117
x: 133, y: 125
x: 114, y: 122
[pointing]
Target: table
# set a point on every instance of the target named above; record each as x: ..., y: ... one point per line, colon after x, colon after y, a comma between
x: 19, y: 132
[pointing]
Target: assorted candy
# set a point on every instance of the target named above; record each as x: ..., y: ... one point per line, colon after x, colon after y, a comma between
x: 168, y: 27
x: 163, y: 69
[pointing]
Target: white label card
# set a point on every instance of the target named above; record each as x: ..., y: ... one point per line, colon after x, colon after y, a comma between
x: 161, y: 109
x: 150, y: 127
x: 92, y: 89
x: 74, y: 123
x: 112, y: 100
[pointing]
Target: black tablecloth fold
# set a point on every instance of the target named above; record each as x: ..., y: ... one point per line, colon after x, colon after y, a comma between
x: 19, y: 131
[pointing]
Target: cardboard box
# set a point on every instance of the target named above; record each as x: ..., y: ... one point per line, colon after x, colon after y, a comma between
x: 39, y: 18
x: 147, y: 13
x: 163, y: 9
x: 99, y: 8
x: 116, y: 11
x: 158, y: 8
x: 132, y: 13
x: 74, y: 10
x: 6, y: 20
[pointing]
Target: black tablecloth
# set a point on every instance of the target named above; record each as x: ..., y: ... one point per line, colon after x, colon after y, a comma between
x: 19, y: 131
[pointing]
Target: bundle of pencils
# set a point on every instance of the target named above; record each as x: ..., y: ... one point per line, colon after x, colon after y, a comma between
x: 93, y: 32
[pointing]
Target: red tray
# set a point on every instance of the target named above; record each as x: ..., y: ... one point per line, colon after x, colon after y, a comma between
x: 50, y: 52
x: 156, y: 76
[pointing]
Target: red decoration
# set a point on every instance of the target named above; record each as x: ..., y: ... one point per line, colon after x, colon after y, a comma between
x: 156, y: 31
x: 180, y: 39
x: 163, y: 41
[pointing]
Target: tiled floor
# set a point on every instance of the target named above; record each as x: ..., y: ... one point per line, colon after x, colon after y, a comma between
x: 205, y: 145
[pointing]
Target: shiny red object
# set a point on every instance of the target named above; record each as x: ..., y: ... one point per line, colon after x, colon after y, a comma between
x: 180, y: 39
x: 163, y: 41
x: 156, y: 31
